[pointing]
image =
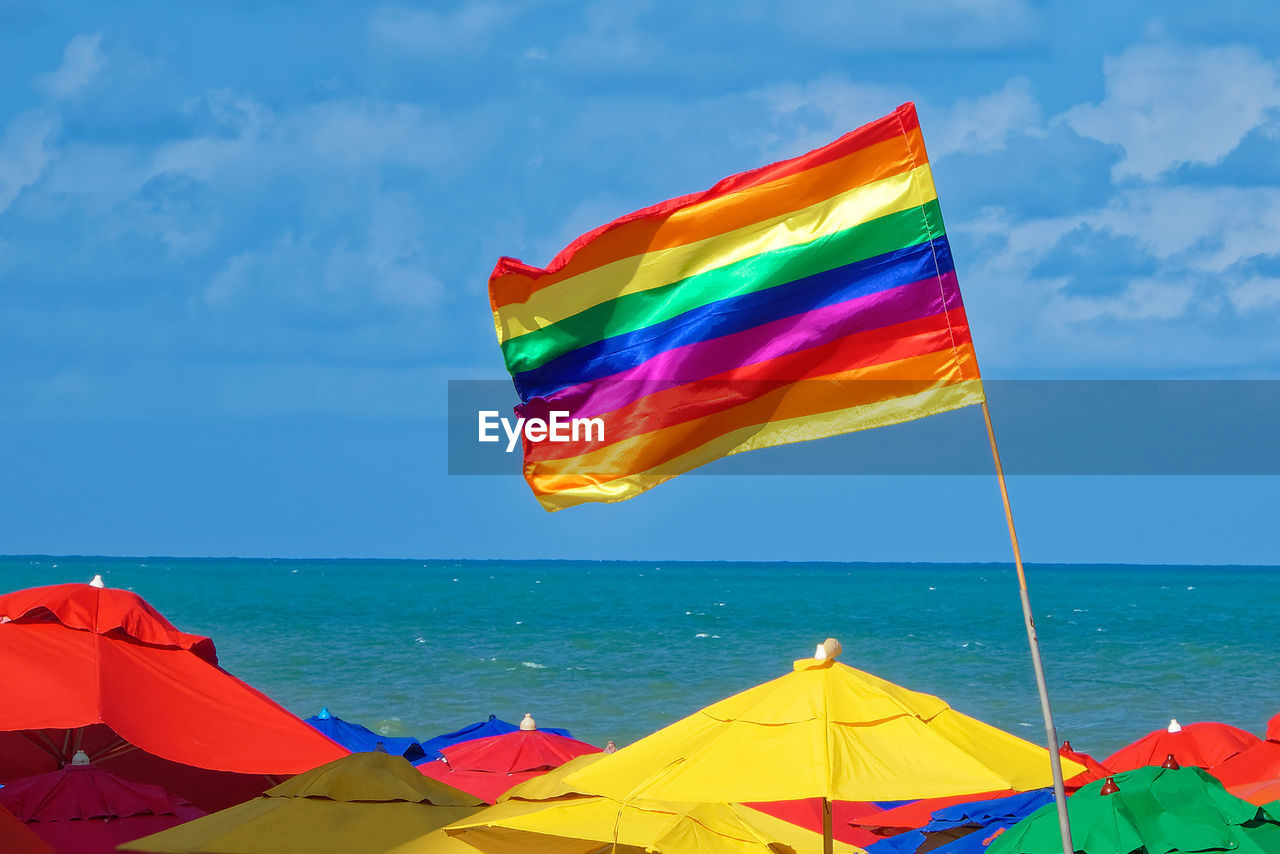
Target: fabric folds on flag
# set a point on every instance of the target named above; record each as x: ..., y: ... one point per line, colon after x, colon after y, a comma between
x: 800, y: 300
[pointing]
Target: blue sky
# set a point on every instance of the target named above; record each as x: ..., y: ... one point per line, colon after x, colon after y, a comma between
x: 243, y: 248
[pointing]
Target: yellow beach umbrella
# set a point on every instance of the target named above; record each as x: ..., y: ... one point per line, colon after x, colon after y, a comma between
x: 824, y: 730
x: 365, y: 802
x: 551, y: 784
x: 587, y: 825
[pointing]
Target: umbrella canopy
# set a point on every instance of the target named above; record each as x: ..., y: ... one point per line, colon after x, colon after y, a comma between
x: 965, y: 828
x: 1202, y: 745
x: 824, y: 730
x: 366, y: 802
x: 479, y: 729
x: 550, y: 785
x: 17, y: 838
x: 82, y: 809
x: 1273, y: 729
x: 583, y: 825
x: 357, y: 738
x: 488, y: 767
x: 901, y: 819
x: 99, y: 670
x: 1154, y: 811
x: 807, y: 813
x: 1094, y: 770
x: 1253, y: 773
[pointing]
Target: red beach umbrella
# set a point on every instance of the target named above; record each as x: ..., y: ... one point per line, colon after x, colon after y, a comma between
x: 100, y: 670
x: 1273, y: 729
x: 82, y: 809
x: 488, y: 767
x: 1202, y: 745
x: 17, y: 838
x: 807, y: 813
x: 1094, y: 770
x: 1252, y: 774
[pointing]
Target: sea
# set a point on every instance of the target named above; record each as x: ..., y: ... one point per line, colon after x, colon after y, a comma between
x: 616, y: 650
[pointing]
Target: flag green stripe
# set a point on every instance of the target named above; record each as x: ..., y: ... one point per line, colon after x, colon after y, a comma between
x: 766, y: 270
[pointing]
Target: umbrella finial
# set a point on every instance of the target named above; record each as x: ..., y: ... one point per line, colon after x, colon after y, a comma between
x: 1109, y: 787
x: 325, y: 714
x: 528, y: 723
x: 827, y: 650
x: 379, y: 747
x: 1066, y: 745
x: 80, y: 758
x: 97, y: 582
x: 1170, y: 763
x: 1174, y: 726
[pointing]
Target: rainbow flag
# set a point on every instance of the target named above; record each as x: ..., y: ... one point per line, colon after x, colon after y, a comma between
x: 800, y: 300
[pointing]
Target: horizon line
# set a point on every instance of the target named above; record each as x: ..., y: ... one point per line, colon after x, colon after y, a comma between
x: 1001, y: 563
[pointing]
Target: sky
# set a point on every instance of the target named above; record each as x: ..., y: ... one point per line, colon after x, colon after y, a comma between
x: 244, y: 247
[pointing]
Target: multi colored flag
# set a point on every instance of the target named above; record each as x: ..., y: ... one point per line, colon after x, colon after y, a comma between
x: 800, y: 300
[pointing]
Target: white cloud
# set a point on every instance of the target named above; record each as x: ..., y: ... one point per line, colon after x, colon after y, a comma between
x: 928, y: 24
x: 1255, y: 294
x: 25, y: 151
x: 27, y: 143
x: 386, y: 262
x: 81, y: 62
x: 612, y: 36
x: 252, y: 140
x: 1207, y: 229
x: 811, y: 114
x: 1167, y: 105
x: 435, y: 33
x: 1141, y: 299
x: 985, y: 123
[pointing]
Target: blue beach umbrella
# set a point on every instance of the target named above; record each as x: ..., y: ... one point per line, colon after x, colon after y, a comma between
x: 360, y: 739
x: 470, y: 732
x: 965, y: 828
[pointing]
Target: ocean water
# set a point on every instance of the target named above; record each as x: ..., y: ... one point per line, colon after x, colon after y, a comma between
x: 615, y: 650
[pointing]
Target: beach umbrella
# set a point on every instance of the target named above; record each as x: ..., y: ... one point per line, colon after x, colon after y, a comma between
x: 357, y: 738
x: 1094, y: 770
x: 543, y: 787
x: 825, y: 730
x: 365, y: 802
x: 1253, y: 773
x: 965, y: 828
x: 1150, y: 810
x: 488, y: 767
x: 17, y: 838
x: 479, y: 729
x: 897, y: 820
x: 586, y: 825
x: 551, y: 784
x: 82, y: 809
x: 1273, y: 729
x: 1201, y: 744
x: 808, y: 813
x: 100, y: 670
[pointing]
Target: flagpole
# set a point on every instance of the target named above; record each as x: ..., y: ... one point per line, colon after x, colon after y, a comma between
x: 1055, y: 761
x: 828, y: 832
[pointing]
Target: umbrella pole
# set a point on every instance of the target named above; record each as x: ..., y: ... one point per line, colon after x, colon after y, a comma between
x: 828, y: 840
x: 1051, y: 731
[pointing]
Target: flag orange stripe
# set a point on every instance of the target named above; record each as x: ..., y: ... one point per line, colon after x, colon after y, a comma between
x: 811, y: 397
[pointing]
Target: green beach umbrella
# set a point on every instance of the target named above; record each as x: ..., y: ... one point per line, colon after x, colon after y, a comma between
x: 1149, y: 811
